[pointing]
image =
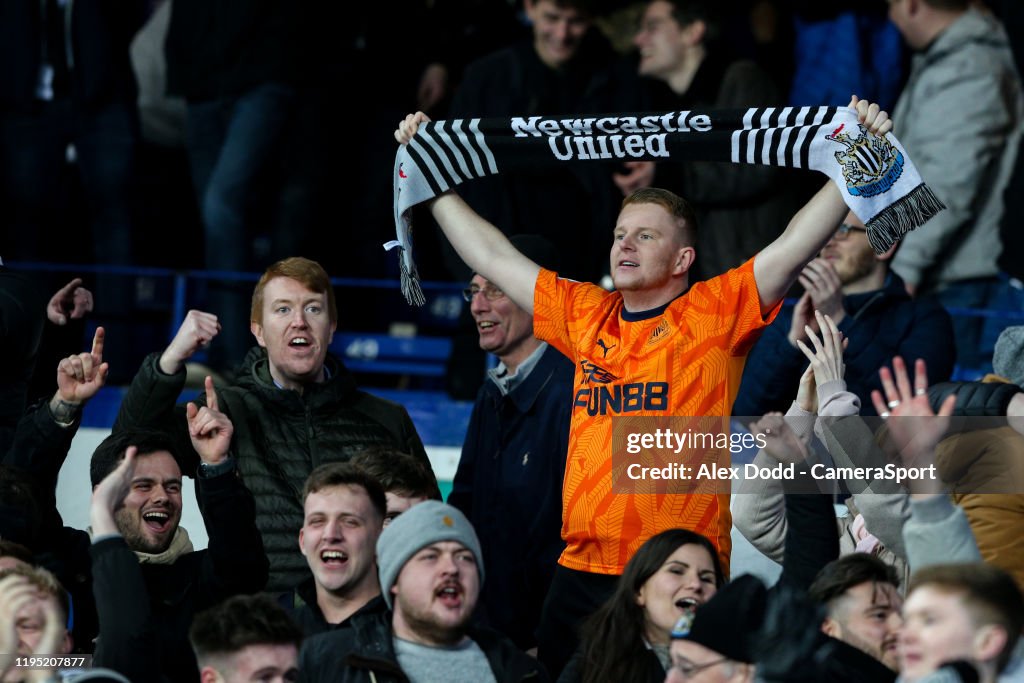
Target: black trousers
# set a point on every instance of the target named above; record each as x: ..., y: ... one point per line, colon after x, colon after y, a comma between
x: 573, y: 596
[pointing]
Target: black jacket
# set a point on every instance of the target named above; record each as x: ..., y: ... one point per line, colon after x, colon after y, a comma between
x: 975, y: 399
x: 22, y: 315
x: 880, y: 324
x: 145, y: 610
x: 39, y: 449
x: 509, y: 485
x: 280, y: 437
x: 364, y: 653
x: 302, y: 607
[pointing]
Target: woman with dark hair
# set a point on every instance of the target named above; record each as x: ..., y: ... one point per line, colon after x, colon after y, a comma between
x: 627, y: 639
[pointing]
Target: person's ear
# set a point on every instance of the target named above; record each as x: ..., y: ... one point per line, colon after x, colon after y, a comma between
x: 830, y: 627
x: 684, y: 260
x: 209, y: 675
x: 257, y: 331
x: 695, y: 32
x: 888, y: 253
x: 989, y: 641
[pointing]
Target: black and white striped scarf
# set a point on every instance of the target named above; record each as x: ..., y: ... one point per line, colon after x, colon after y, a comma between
x: 877, y: 178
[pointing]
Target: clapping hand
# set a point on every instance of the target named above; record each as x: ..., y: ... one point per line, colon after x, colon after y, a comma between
x: 110, y: 493
x: 826, y: 360
x: 781, y: 442
x: 821, y: 283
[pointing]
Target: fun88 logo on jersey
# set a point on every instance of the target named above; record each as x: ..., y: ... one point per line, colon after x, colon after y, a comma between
x: 603, y: 395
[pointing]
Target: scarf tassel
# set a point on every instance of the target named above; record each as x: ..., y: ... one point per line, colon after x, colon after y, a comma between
x: 902, y: 216
x: 411, y: 288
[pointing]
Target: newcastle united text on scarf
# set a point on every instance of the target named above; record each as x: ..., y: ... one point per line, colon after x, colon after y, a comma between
x: 610, y: 137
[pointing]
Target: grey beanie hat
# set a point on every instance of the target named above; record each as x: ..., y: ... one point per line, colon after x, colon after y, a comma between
x: 419, y: 526
x: 1008, y: 359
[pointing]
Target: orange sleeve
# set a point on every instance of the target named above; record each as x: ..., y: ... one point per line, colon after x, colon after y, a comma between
x: 559, y: 306
x: 735, y: 292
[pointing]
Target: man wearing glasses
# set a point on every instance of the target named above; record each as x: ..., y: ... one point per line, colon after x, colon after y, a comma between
x: 870, y: 304
x: 714, y: 644
x: 509, y: 480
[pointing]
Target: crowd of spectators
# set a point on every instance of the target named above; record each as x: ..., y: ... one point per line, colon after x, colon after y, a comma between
x: 331, y: 555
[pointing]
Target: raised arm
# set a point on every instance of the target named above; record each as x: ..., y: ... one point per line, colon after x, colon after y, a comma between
x: 43, y: 436
x: 481, y: 245
x: 151, y: 397
x: 235, y: 561
x: 777, y: 267
x: 128, y: 640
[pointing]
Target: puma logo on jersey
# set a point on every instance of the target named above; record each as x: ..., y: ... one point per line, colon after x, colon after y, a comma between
x: 604, y: 347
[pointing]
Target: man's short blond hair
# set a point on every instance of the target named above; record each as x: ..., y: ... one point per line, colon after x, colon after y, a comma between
x: 676, y: 206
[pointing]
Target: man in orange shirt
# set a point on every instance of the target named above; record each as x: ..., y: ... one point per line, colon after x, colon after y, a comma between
x: 653, y: 347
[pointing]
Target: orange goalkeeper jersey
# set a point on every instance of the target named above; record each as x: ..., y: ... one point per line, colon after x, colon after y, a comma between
x: 683, y: 359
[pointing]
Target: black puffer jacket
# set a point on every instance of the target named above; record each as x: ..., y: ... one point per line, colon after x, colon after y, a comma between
x: 975, y: 399
x: 365, y: 653
x: 280, y: 436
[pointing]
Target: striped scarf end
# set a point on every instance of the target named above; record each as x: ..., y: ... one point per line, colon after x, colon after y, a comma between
x: 902, y: 216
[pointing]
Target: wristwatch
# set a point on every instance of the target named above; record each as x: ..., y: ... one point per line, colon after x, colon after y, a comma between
x: 207, y: 471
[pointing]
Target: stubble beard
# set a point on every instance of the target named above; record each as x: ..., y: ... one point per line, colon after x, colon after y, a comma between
x: 425, y: 625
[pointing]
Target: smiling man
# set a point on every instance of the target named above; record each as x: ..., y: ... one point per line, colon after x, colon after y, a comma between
x: 344, y: 515
x: 860, y: 595
x: 430, y: 576
x: 148, y: 582
x: 513, y: 456
x: 294, y: 405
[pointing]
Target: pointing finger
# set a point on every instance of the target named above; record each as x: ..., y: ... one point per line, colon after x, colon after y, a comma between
x: 97, y: 345
x: 211, y: 394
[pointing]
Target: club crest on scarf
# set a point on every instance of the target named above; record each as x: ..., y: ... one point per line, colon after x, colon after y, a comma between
x: 870, y: 165
x: 684, y: 624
